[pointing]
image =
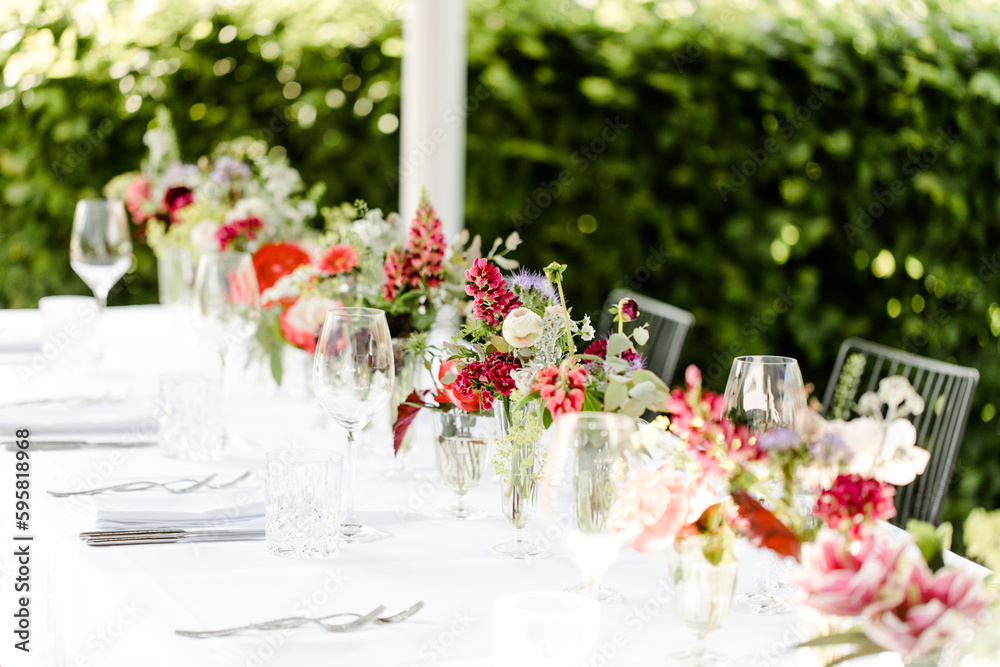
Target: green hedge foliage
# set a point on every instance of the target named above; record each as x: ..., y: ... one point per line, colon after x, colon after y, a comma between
x: 791, y: 176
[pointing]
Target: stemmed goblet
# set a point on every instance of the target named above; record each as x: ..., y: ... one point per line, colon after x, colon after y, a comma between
x: 227, y: 302
x: 588, y: 464
x: 352, y: 378
x: 763, y: 393
x: 100, y: 247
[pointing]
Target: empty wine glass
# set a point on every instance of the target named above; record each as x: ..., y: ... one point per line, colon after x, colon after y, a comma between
x: 100, y: 247
x: 587, y: 466
x: 762, y: 393
x: 702, y: 598
x: 227, y: 302
x: 352, y: 378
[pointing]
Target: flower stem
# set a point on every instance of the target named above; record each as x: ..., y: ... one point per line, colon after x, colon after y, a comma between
x: 569, y: 333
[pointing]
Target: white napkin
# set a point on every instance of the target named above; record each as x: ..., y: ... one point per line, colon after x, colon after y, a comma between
x: 206, y: 509
x: 133, y: 416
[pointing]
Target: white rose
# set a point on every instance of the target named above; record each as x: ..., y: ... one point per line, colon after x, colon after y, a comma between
x: 203, y: 236
x: 556, y: 311
x: 521, y: 327
x: 309, y: 313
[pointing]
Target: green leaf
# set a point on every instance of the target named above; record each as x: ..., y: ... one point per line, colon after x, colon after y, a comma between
x: 855, y: 637
x: 932, y: 540
x: 591, y: 402
x: 644, y: 392
x: 617, y: 344
x: 615, y: 397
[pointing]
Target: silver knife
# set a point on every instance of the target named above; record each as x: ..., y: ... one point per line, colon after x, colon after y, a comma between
x: 104, y: 538
x: 77, y: 444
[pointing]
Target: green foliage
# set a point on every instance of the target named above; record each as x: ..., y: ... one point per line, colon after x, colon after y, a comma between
x: 790, y: 173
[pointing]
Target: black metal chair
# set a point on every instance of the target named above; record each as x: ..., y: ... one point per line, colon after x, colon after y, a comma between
x: 947, y: 391
x: 668, y: 327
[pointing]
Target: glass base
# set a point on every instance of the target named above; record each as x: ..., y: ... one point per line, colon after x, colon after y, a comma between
x: 520, y: 549
x: 356, y: 533
x: 696, y: 657
x: 602, y: 594
x: 762, y: 604
x: 463, y: 513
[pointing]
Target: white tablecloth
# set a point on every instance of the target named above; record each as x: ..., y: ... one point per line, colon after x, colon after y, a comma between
x: 120, y: 605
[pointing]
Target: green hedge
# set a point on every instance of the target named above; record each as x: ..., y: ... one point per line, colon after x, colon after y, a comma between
x: 792, y: 179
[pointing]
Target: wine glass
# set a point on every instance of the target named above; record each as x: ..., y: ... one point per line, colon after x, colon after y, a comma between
x: 227, y: 302
x: 100, y: 247
x: 353, y: 373
x: 762, y: 393
x: 587, y: 467
x: 702, y: 598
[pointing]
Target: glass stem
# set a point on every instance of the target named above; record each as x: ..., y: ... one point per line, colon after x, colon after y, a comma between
x: 352, y: 452
x: 518, y: 534
x: 223, y: 402
x: 763, y: 569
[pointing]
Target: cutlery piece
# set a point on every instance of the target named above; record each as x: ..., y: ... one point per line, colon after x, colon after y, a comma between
x: 191, y: 485
x: 106, y: 538
x: 78, y: 444
x: 297, y: 621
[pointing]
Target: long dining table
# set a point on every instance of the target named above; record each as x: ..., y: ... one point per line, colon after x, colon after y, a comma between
x: 121, y: 605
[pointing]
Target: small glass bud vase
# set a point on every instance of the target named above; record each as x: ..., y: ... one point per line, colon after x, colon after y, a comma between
x: 461, y: 452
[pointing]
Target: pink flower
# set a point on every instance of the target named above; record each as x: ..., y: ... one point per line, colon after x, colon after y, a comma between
x: 425, y: 247
x: 628, y: 310
x: 562, y: 388
x: 843, y: 578
x: 491, y: 298
x: 660, y: 506
x: 302, y: 322
x: 853, y: 504
x: 227, y: 235
x: 395, y: 274
x: 338, y: 259
x: 137, y: 200
x: 922, y: 610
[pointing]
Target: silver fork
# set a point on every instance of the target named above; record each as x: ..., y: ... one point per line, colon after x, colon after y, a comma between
x: 290, y: 622
x: 194, y: 485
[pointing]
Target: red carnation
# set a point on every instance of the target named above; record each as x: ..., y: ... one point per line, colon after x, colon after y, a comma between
x: 177, y: 198
x: 338, y: 259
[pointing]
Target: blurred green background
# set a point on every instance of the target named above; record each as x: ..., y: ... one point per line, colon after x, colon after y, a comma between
x: 793, y: 173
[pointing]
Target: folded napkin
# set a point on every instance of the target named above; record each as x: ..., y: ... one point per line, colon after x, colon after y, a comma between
x: 133, y: 417
x: 222, y: 509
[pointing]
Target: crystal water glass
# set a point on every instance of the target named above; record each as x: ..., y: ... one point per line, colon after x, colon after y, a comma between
x: 519, y: 485
x: 302, y: 502
x: 353, y: 372
x: 702, y: 598
x: 589, y: 462
x: 763, y: 393
x: 461, y: 452
x: 191, y: 424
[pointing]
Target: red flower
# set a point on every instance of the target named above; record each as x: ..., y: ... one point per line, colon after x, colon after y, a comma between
x: 177, y: 198
x: 276, y: 260
x: 491, y: 298
x: 395, y: 276
x: 338, y: 259
x: 228, y: 234
x: 562, y: 388
x: 450, y: 392
x: 491, y: 377
x: 854, y: 503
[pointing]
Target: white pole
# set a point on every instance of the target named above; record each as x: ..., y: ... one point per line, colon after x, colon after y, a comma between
x: 432, y: 138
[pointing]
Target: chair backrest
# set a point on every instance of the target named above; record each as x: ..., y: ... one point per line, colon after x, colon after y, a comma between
x: 668, y: 327
x: 947, y: 391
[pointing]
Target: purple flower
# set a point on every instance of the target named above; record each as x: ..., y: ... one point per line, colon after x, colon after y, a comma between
x: 830, y: 448
x: 525, y: 280
x: 779, y: 439
x: 628, y: 310
x: 229, y: 168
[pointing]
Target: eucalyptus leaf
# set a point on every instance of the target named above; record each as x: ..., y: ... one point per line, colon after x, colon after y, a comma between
x: 618, y: 343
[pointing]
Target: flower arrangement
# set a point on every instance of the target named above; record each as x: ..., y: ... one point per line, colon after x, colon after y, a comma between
x: 905, y: 598
x: 848, y: 468
x: 234, y: 199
